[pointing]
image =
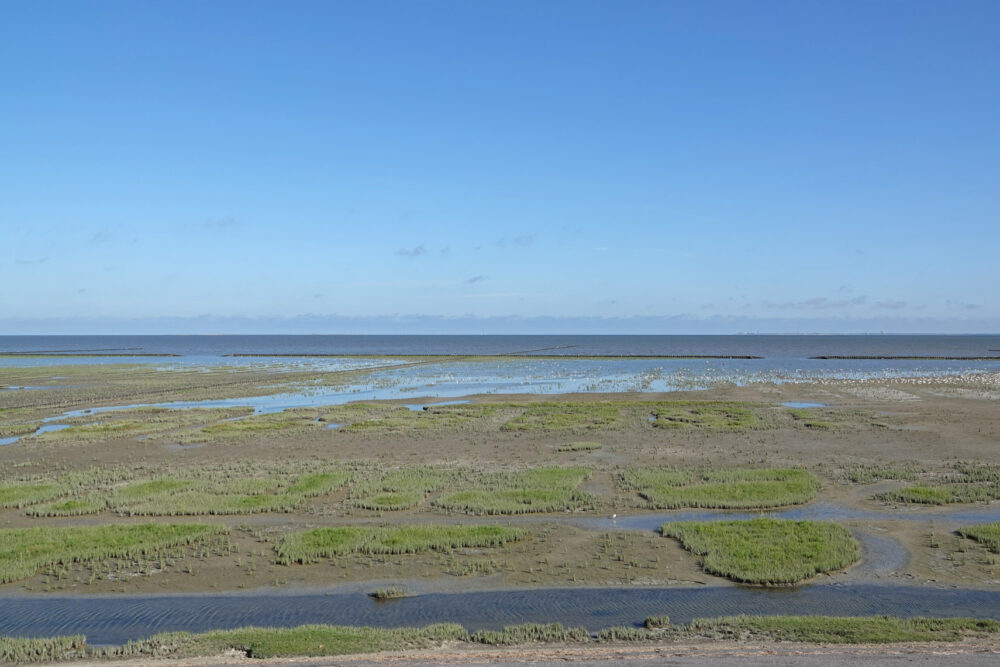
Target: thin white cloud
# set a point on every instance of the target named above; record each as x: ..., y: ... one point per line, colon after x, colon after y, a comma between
x: 412, y: 252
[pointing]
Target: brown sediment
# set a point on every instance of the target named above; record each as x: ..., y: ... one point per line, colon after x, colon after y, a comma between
x: 930, y: 423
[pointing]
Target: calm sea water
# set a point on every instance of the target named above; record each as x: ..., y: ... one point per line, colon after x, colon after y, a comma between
x: 787, y: 347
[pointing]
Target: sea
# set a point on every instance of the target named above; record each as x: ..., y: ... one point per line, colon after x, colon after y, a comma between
x: 766, y: 346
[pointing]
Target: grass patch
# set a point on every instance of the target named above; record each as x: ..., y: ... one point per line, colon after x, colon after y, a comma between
x: 870, y: 473
x: 25, y: 550
x: 808, y: 418
x: 579, y: 447
x: 528, y: 491
x: 843, y: 630
x: 22, y: 494
x: 311, y: 545
x: 219, y: 493
x: 712, y: 415
x: 669, y: 488
x: 306, y: 640
x: 432, y: 417
x: 526, y: 633
x: 565, y: 417
x: 767, y: 551
x: 19, y: 650
x: 320, y: 483
x: 987, y: 534
x: 399, y: 489
x: 92, y: 504
x: 970, y: 483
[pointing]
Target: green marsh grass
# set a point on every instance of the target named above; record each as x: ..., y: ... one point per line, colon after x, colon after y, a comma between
x: 306, y: 640
x: 986, y: 534
x: 400, y: 489
x: 434, y: 417
x: 810, y: 419
x: 22, y: 494
x: 970, y: 483
x: 311, y: 545
x: 767, y: 551
x: 529, y: 491
x: 711, y: 415
x: 20, y: 650
x: 24, y: 550
x: 566, y: 417
x: 218, y: 490
x: 870, y: 473
x: 79, y: 506
x: 529, y: 633
x: 734, y: 488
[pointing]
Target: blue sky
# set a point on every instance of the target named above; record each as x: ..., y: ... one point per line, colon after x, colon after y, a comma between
x: 683, y: 167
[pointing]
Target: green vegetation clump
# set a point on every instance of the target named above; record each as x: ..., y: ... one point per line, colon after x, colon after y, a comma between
x: 920, y: 494
x: 528, y: 491
x: 388, y: 593
x: 308, y: 546
x: 579, y: 447
x: 399, y: 489
x: 306, y: 640
x: 530, y: 633
x: 25, y: 550
x: 20, y: 650
x: 843, y: 630
x: 659, y: 621
x: 869, y: 473
x: 148, y: 422
x: 22, y: 494
x: 320, y: 483
x: 91, y: 504
x: 566, y: 417
x: 986, y: 534
x: 736, y: 488
x: 968, y: 484
x: 808, y: 418
x: 623, y: 634
x: 713, y: 415
x: 200, y: 493
x: 432, y: 417
x: 767, y: 551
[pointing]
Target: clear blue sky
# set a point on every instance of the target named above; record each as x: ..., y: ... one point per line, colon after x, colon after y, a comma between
x: 721, y: 166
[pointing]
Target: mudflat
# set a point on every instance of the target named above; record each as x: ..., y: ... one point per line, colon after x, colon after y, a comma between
x: 490, y: 492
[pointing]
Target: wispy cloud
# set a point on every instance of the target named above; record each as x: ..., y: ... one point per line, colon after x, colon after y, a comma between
x: 890, y: 304
x: 100, y: 236
x: 412, y: 252
x: 476, y: 279
x: 961, y: 305
x: 522, y: 241
x: 224, y: 222
x: 40, y: 260
x: 817, y: 303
